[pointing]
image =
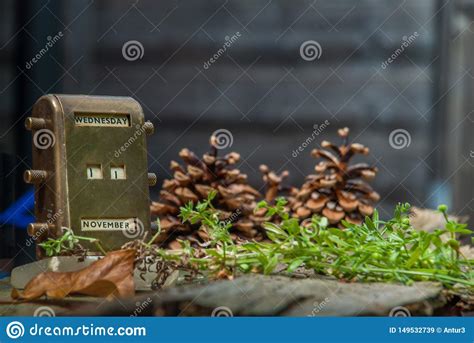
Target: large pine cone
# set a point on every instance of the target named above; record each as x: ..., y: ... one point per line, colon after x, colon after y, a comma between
x: 338, y: 190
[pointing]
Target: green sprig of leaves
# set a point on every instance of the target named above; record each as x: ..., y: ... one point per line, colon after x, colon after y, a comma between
x: 376, y: 250
x: 67, y: 242
x: 207, y: 216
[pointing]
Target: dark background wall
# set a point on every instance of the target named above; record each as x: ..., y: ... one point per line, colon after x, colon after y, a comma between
x: 261, y: 90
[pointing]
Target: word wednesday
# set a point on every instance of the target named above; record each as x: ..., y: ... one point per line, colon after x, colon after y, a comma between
x: 110, y: 120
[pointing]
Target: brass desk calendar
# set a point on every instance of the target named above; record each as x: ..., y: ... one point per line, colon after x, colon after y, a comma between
x: 90, y: 168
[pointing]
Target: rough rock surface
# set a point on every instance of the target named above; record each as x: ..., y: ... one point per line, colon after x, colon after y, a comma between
x: 259, y: 295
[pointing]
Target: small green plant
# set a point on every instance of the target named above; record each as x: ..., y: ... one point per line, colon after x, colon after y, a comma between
x: 376, y: 250
x: 218, y: 230
x: 67, y: 242
x: 453, y: 228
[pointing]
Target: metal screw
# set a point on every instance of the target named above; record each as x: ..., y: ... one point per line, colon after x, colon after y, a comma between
x: 148, y: 127
x: 152, y: 179
x: 32, y: 123
x: 35, y: 176
x: 37, y: 229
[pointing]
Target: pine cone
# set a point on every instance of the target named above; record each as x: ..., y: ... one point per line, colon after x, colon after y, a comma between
x: 235, y: 198
x: 273, y: 183
x: 274, y: 189
x: 338, y: 190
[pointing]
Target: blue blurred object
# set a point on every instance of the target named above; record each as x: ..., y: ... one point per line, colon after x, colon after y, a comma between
x: 19, y: 213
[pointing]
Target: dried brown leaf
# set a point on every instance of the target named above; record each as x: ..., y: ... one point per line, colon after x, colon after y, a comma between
x: 108, y: 277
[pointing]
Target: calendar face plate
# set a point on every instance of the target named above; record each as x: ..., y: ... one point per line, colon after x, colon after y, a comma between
x: 97, y: 168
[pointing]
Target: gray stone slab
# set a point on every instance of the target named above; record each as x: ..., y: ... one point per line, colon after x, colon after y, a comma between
x: 259, y: 295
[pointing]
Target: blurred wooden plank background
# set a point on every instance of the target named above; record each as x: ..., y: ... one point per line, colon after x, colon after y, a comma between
x: 261, y: 90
